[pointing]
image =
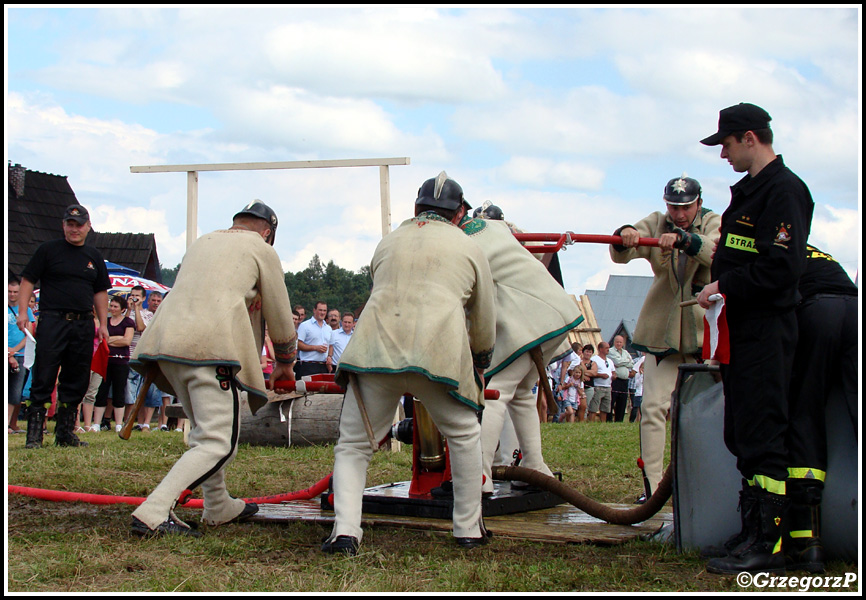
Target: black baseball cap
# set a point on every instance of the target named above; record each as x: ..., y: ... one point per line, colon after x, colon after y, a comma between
x: 740, y: 117
x: 77, y: 213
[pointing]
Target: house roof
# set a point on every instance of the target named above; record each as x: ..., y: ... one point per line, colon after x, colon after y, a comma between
x: 36, y: 205
x: 619, y: 303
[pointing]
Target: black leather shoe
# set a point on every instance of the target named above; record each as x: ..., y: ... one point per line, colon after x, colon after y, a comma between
x: 166, y: 527
x: 641, y: 499
x: 249, y: 510
x: 468, y: 543
x: 344, y: 544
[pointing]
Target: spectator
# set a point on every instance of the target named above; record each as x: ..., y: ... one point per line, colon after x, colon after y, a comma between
x: 341, y: 337
x: 334, y: 319
x: 120, y: 331
x: 671, y: 334
x: 570, y: 401
x: 302, y: 313
x: 636, y: 390
x: 154, y: 299
x: 599, y: 402
x: 623, y: 372
x: 296, y: 318
x: 98, y: 366
x: 314, y: 338
x: 590, y: 372
x: 18, y: 373
x: 73, y: 280
x: 579, y: 374
x: 141, y: 317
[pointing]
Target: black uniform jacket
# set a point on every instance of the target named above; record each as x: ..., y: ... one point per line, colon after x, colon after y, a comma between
x: 762, y: 248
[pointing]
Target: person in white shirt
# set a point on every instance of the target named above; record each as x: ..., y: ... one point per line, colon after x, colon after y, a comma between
x: 340, y: 337
x: 599, y: 405
x: 314, y: 340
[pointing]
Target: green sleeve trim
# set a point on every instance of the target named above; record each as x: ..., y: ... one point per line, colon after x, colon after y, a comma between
x: 444, y: 380
x: 532, y: 345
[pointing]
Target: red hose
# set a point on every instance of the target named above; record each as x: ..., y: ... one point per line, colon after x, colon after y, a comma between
x: 58, y: 496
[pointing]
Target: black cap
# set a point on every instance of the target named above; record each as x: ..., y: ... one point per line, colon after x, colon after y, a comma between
x: 76, y: 213
x: 741, y: 117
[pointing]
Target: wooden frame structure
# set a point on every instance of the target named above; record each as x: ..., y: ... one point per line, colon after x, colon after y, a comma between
x: 192, y: 172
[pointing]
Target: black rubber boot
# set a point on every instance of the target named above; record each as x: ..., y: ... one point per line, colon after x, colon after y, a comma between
x: 745, y: 507
x: 802, y: 541
x: 63, y: 432
x: 35, y: 422
x: 761, y: 552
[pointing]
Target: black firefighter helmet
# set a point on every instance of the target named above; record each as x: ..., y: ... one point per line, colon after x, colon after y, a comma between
x: 682, y: 190
x: 442, y: 192
x: 260, y: 210
x: 488, y: 211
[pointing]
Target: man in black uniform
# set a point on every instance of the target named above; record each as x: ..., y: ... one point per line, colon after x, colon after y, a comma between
x: 826, y: 356
x: 759, y: 260
x: 74, y: 280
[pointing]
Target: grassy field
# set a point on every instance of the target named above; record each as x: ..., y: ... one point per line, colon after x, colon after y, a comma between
x: 82, y: 548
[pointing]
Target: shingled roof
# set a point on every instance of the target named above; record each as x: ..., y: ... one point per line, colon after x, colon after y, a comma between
x: 36, y: 204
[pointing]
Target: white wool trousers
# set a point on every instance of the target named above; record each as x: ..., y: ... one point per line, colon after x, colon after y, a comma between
x: 211, y: 400
x: 514, y: 384
x: 455, y: 420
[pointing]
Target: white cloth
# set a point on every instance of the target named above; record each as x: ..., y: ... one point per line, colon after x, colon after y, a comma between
x: 717, y: 330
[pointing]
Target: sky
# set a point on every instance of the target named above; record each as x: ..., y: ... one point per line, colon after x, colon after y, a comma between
x: 568, y: 119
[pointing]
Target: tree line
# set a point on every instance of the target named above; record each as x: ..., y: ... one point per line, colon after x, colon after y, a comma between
x: 340, y: 288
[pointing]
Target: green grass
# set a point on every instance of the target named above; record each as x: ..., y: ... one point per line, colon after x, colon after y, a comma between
x: 76, y: 547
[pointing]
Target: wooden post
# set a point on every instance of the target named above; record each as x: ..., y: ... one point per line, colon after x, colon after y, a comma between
x: 385, y: 193
x: 191, y: 207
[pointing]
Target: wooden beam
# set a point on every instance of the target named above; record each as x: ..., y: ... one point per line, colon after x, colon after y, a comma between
x: 257, y: 166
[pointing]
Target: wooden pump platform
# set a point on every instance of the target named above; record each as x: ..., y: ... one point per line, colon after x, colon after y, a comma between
x: 563, y: 524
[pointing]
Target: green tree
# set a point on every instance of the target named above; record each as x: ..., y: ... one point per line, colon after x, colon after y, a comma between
x: 339, y: 287
x: 168, y: 275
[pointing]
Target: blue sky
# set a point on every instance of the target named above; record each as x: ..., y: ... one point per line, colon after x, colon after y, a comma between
x: 567, y: 118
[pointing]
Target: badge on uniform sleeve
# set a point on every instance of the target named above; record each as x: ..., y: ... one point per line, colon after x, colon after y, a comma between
x: 783, y: 235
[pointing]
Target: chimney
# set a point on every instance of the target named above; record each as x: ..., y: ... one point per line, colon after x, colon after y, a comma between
x: 16, y: 179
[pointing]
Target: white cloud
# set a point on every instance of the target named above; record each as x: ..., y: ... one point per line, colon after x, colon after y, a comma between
x: 540, y: 173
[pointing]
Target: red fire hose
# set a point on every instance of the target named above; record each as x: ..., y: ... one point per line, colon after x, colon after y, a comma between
x: 569, y: 237
x: 59, y: 496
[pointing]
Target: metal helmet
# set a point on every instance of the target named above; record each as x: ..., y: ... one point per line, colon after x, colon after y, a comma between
x: 260, y: 210
x: 488, y: 211
x: 441, y: 192
x: 682, y: 190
